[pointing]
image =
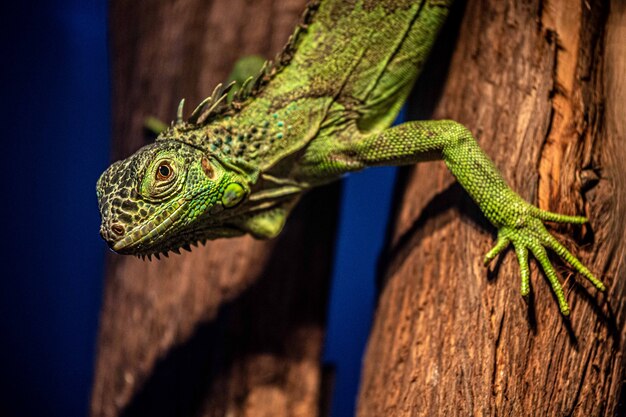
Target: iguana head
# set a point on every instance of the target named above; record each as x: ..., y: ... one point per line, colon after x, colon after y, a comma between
x: 165, y: 196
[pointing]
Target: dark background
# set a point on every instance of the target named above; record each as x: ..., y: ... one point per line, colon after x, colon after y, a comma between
x: 56, y: 127
x: 55, y: 109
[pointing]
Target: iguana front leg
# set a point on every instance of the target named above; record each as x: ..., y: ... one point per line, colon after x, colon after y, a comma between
x: 518, y: 222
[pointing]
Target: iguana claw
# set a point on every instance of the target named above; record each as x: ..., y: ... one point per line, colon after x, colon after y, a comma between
x: 529, y: 233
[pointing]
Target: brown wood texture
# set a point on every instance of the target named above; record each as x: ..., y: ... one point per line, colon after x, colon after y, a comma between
x: 236, y: 327
x: 542, y: 84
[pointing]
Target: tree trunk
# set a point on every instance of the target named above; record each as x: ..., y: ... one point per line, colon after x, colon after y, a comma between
x: 234, y: 328
x: 542, y: 85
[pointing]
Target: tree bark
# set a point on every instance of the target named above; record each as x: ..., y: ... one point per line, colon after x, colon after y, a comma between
x: 542, y: 85
x: 233, y: 328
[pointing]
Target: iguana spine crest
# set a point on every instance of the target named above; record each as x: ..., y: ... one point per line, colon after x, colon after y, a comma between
x: 217, y: 105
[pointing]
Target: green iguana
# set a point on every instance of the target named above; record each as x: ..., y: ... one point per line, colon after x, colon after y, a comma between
x: 321, y: 109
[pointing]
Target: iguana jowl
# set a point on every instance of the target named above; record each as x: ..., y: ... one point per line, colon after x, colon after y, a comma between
x: 321, y: 109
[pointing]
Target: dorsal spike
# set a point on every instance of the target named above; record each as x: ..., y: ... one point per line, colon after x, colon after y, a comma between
x: 245, y: 88
x: 179, y: 112
x: 198, y: 110
x: 216, y: 92
x: 210, y: 110
x: 252, y: 88
x: 246, y: 83
x: 230, y: 85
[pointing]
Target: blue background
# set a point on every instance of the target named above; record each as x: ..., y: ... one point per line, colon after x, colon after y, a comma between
x: 56, y: 127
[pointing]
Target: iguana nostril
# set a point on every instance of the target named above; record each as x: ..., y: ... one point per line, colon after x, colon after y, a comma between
x: 118, y: 229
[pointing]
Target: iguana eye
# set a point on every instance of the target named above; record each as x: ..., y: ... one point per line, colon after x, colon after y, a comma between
x: 162, y: 178
x: 164, y: 171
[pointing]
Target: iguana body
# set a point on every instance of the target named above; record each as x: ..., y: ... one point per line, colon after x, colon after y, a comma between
x: 321, y: 110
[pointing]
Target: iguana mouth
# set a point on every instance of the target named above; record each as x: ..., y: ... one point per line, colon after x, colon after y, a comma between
x: 150, y: 229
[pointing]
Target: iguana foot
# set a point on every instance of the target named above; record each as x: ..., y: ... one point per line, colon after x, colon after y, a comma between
x: 528, y: 233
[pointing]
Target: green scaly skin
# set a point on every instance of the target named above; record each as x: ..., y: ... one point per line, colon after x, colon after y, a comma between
x: 239, y: 164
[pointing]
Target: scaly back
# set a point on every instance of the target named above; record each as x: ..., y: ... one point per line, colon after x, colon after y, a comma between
x: 366, y: 54
x: 360, y: 57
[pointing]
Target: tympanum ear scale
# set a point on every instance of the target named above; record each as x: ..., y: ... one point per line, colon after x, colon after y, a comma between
x: 233, y: 195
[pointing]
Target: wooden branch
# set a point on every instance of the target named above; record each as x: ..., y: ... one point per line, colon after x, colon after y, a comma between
x: 542, y: 86
x: 234, y: 328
